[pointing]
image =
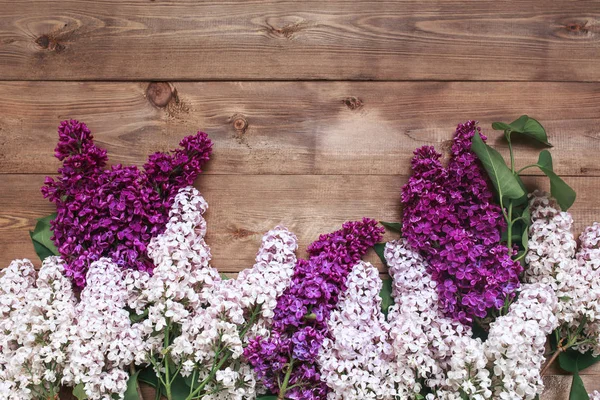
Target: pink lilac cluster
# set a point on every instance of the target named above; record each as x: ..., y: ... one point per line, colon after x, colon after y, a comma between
x: 450, y: 218
x: 36, y: 319
x: 208, y: 319
x: 114, y: 212
x: 288, y: 358
x: 574, y: 273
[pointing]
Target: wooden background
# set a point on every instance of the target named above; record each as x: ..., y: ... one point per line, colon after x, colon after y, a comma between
x: 314, y: 107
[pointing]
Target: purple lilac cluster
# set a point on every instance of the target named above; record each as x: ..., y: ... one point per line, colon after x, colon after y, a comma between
x: 302, y: 312
x: 450, y: 218
x: 114, y: 212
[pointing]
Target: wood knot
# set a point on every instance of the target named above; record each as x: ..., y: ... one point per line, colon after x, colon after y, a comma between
x: 240, y: 123
x: 48, y: 42
x: 353, y: 103
x: 241, y: 233
x: 160, y: 94
x: 577, y: 28
x: 285, y: 28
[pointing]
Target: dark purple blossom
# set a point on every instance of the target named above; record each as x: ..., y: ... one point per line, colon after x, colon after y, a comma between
x: 300, y: 322
x: 451, y: 218
x: 114, y: 212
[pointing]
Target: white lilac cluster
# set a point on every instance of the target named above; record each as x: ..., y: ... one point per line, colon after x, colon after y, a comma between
x: 103, y: 341
x: 516, y: 343
x: 212, y: 317
x: 554, y: 259
x: 182, y: 278
x: 15, y: 282
x: 429, y: 348
x: 37, y: 314
x: 595, y: 395
x: 354, y: 360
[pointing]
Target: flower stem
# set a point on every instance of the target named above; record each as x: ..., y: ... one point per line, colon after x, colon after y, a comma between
x: 512, y: 156
x: 286, y: 380
x: 510, y: 226
x: 166, y: 363
x: 551, y: 360
x: 210, y: 376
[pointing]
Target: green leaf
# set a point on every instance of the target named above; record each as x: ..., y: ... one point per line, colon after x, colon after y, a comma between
x: 525, y: 239
x: 379, y: 249
x: 267, y: 397
x: 526, y: 126
x: 565, y: 298
x: 42, y: 251
x: 40, y: 236
x: 386, y: 296
x: 79, y: 392
x: 559, y: 189
x: 535, y: 130
x: 392, y: 226
x: 132, y: 387
x: 504, y: 180
x: 545, y: 160
x: 224, y: 277
x: 148, y: 376
x: 574, y: 361
x: 501, y: 126
x: 578, y: 391
x: 527, y: 216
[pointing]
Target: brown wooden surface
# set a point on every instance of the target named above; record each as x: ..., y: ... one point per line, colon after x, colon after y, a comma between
x: 349, y: 128
x: 366, y: 40
x: 326, y: 144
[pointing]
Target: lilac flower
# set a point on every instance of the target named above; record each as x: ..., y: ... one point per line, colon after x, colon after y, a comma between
x: 355, y: 360
x: 573, y: 271
x: 286, y: 361
x: 451, y: 219
x: 114, y: 212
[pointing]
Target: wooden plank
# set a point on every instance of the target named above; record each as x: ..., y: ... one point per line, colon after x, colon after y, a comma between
x: 293, y: 127
x: 243, y: 207
x: 539, y: 40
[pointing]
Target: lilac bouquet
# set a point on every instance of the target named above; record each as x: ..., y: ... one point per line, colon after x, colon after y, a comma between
x: 482, y: 276
x: 114, y: 212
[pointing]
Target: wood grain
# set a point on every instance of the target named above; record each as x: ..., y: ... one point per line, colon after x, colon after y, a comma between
x: 533, y: 40
x: 350, y: 128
